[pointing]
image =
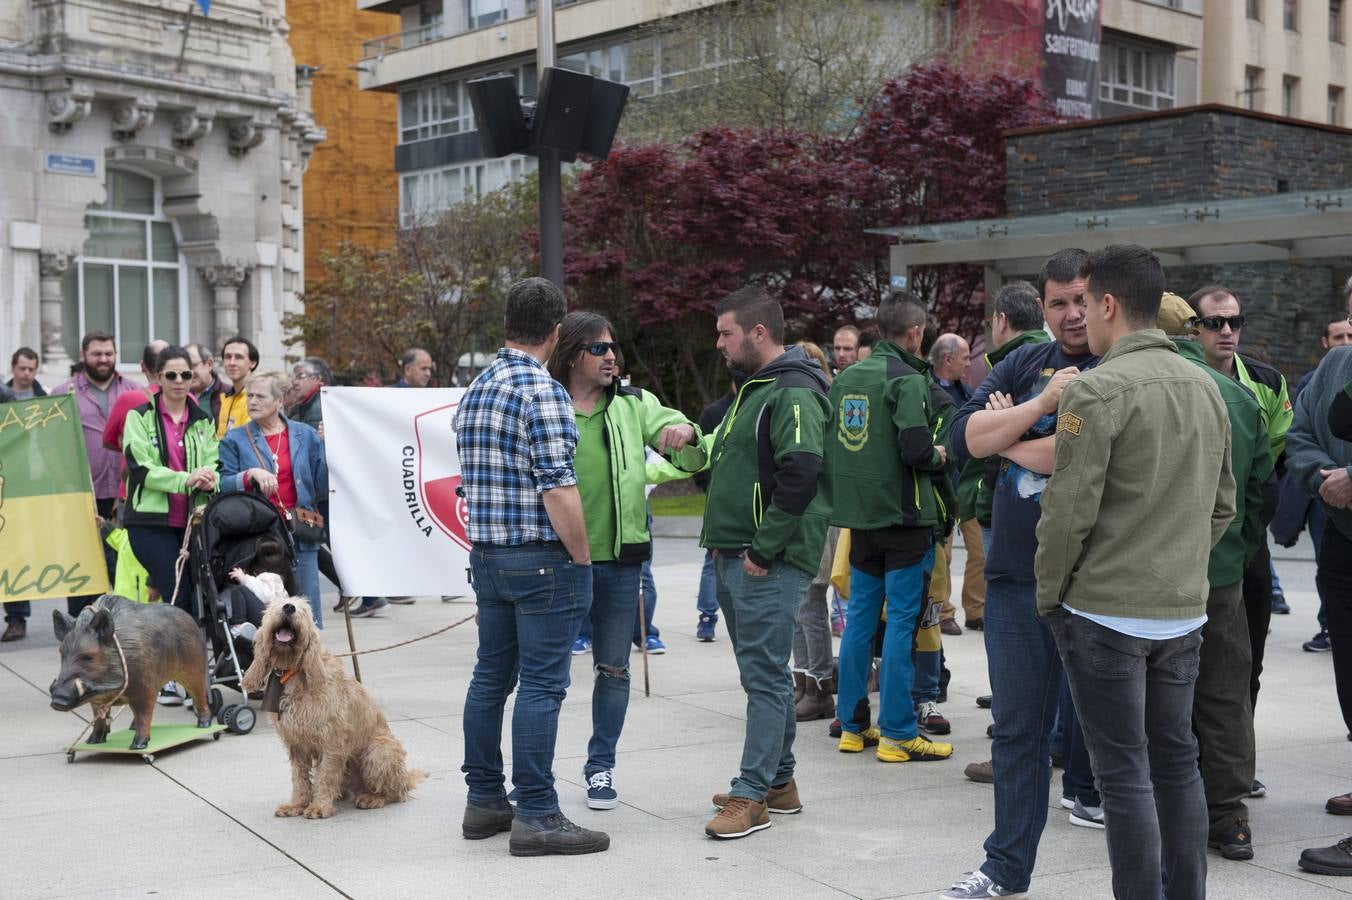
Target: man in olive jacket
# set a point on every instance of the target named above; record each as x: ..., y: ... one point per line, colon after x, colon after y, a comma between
x: 766, y: 524
x: 1128, y: 523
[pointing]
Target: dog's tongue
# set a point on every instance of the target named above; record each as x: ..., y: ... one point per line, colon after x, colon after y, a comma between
x: 284, y: 635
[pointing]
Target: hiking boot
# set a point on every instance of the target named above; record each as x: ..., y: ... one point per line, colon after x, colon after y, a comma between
x: 1235, y: 842
x: 816, y: 702
x: 979, y: 885
x: 782, y: 800
x: 485, y: 821
x: 982, y: 772
x: 14, y: 631
x: 739, y: 817
x: 704, y: 631
x: 917, y: 749
x: 929, y: 718
x: 1335, y: 860
x: 855, y: 742
x: 1317, y: 644
x: 799, y: 686
x: 1087, y: 816
x: 542, y: 835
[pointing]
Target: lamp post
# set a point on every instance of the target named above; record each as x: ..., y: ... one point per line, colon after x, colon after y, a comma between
x: 551, y: 170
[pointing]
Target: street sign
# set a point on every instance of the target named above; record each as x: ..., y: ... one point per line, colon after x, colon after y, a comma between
x: 63, y: 164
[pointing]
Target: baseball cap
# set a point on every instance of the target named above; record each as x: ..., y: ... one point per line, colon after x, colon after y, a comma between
x: 1174, y: 315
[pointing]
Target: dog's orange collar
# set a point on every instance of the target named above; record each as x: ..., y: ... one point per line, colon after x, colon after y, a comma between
x: 286, y: 676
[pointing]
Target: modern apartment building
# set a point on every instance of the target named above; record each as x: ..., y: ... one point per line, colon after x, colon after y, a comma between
x: 1281, y: 56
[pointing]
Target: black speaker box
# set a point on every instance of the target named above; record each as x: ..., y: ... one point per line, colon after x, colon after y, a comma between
x: 603, y: 117
x: 498, y: 115
x: 561, y: 112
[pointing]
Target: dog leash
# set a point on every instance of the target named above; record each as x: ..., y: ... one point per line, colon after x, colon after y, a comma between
x: 410, y: 640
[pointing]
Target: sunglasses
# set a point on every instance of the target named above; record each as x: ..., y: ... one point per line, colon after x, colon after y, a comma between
x: 600, y: 348
x: 177, y: 376
x: 1216, y: 323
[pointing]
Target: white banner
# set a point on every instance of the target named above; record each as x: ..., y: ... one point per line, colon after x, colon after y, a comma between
x: 397, y: 526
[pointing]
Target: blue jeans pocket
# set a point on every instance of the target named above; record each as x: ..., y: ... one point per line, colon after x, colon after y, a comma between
x: 534, y: 591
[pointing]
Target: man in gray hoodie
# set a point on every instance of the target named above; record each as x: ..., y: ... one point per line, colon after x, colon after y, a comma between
x: 1321, y: 463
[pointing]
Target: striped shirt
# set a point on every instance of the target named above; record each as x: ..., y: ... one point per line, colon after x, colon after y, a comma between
x: 516, y: 439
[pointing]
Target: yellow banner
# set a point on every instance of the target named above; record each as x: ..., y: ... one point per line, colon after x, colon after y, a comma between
x: 50, y: 547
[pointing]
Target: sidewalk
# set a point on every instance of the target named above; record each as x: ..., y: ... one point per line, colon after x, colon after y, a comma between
x: 199, y: 821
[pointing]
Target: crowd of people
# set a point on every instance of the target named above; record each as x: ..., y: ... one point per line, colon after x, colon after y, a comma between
x: 1130, y: 654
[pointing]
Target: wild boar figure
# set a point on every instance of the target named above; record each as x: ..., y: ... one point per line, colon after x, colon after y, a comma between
x: 160, y: 643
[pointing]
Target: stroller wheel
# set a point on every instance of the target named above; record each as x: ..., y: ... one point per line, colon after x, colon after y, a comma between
x: 224, y: 713
x: 215, y: 699
x: 241, y: 719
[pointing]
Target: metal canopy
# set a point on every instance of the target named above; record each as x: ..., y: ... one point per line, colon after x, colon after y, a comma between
x: 1277, y: 228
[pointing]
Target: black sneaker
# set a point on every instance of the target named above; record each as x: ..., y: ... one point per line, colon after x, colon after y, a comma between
x: 984, y: 701
x: 542, y: 835
x: 1318, y: 644
x: 1257, y: 789
x: 1236, y: 842
x: 485, y: 821
x: 1335, y: 860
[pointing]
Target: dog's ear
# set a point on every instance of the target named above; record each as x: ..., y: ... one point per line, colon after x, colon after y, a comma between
x: 312, y: 661
x: 256, y: 676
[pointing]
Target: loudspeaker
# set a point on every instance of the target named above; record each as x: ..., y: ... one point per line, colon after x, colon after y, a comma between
x: 497, y: 112
x: 603, y: 117
x: 561, y: 112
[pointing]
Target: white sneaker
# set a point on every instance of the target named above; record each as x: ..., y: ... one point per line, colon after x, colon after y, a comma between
x: 1068, y: 802
x: 979, y: 885
x: 171, y: 695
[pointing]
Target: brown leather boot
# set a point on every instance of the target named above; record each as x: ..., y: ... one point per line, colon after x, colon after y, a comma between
x: 816, y: 703
x: 799, y: 686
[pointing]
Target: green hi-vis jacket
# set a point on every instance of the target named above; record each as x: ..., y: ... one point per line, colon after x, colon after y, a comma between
x: 880, y: 446
x: 976, y: 480
x: 1269, y: 387
x: 1143, y: 488
x: 1250, y: 463
x: 766, y: 459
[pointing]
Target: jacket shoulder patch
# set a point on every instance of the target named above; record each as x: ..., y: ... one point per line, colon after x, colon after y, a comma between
x: 1068, y: 421
x: 852, y: 431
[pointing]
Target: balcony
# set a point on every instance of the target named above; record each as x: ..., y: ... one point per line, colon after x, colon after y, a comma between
x: 414, y: 37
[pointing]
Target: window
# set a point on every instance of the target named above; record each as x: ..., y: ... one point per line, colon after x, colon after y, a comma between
x: 430, y: 13
x: 1137, y: 76
x: 1253, y: 86
x: 1254, y: 10
x: 1290, y: 15
x: 1335, y: 106
x: 433, y: 110
x: 1336, y: 21
x: 482, y: 13
x: 1290, y: 96
x: 424, y: 195
x: 128, y: 279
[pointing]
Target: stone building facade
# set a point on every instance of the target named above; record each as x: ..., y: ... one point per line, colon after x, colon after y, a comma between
x: 151, y: 160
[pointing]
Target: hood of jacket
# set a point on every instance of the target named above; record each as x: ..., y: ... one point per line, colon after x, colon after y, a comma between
x: 793, y: 359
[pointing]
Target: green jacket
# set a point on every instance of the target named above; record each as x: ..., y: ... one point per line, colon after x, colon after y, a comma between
x: 880, y: 444
x: 150, y: 481
x: 634, y: 420
x: 766, y: 460
x: 976, y: 480
x: 1250, y: 463
x: 1269, y: 387
x: 1142, y: 490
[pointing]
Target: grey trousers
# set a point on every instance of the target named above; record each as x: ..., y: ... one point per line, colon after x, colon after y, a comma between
x: 812, y: 651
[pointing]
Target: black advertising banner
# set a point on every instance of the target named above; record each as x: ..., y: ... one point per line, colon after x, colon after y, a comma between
x: 1071, y: 33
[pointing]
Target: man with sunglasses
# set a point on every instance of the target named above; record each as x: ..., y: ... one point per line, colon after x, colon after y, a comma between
x: 1220, y: 320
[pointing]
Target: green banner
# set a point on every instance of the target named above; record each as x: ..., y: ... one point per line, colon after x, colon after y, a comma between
x: 49, y: 536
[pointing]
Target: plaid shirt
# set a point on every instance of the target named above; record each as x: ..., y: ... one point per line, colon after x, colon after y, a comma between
x: 516, y: 438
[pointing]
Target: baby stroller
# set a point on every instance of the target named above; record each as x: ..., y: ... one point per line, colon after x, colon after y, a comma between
x: 225, y: 536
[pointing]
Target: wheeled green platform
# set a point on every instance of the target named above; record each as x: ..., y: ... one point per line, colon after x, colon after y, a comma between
x: 162, y: 737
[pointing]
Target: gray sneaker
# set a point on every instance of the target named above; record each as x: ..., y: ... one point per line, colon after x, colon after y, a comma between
x: 1086, y: 816
x: 979, y: 885
x: 366, y: 609
x: 485, y: 821
x: 542, y: 835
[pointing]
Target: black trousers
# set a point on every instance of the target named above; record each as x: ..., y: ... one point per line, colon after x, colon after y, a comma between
x: 1258, y: 612
x: 1334, y: 579
x: 105, y: 507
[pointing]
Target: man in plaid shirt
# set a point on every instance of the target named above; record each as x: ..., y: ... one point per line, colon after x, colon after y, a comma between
x: 531, y: 566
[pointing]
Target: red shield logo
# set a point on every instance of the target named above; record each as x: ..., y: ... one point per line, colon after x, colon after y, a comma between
x: 439, y: 472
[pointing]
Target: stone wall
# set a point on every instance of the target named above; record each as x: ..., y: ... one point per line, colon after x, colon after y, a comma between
x: 1207, y: 154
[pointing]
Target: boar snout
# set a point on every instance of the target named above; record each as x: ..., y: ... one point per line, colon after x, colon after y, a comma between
x: 65, y: 697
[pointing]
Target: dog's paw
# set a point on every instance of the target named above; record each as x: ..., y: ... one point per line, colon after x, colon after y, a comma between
x: 369, y: 801
x: 287, y: 810
x: 319, y: 811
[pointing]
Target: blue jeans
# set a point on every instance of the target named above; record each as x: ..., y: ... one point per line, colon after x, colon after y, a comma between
x: 1077, y: 776
x: 307, y: 578
x: 759, y: 612
x: 707, y: 600
x: 904, y: 588
x: 531, y: 600
x: 928, y: 664
x: 1025, y: 677
x: 156, y: 547
x: 1135, y: 701
x: 614, y: 600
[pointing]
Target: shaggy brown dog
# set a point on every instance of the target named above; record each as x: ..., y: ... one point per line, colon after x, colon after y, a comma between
x: 338, y: 740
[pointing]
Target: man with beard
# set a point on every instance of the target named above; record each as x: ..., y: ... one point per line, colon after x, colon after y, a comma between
x: 97, y: 388
x: 766, y: 524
